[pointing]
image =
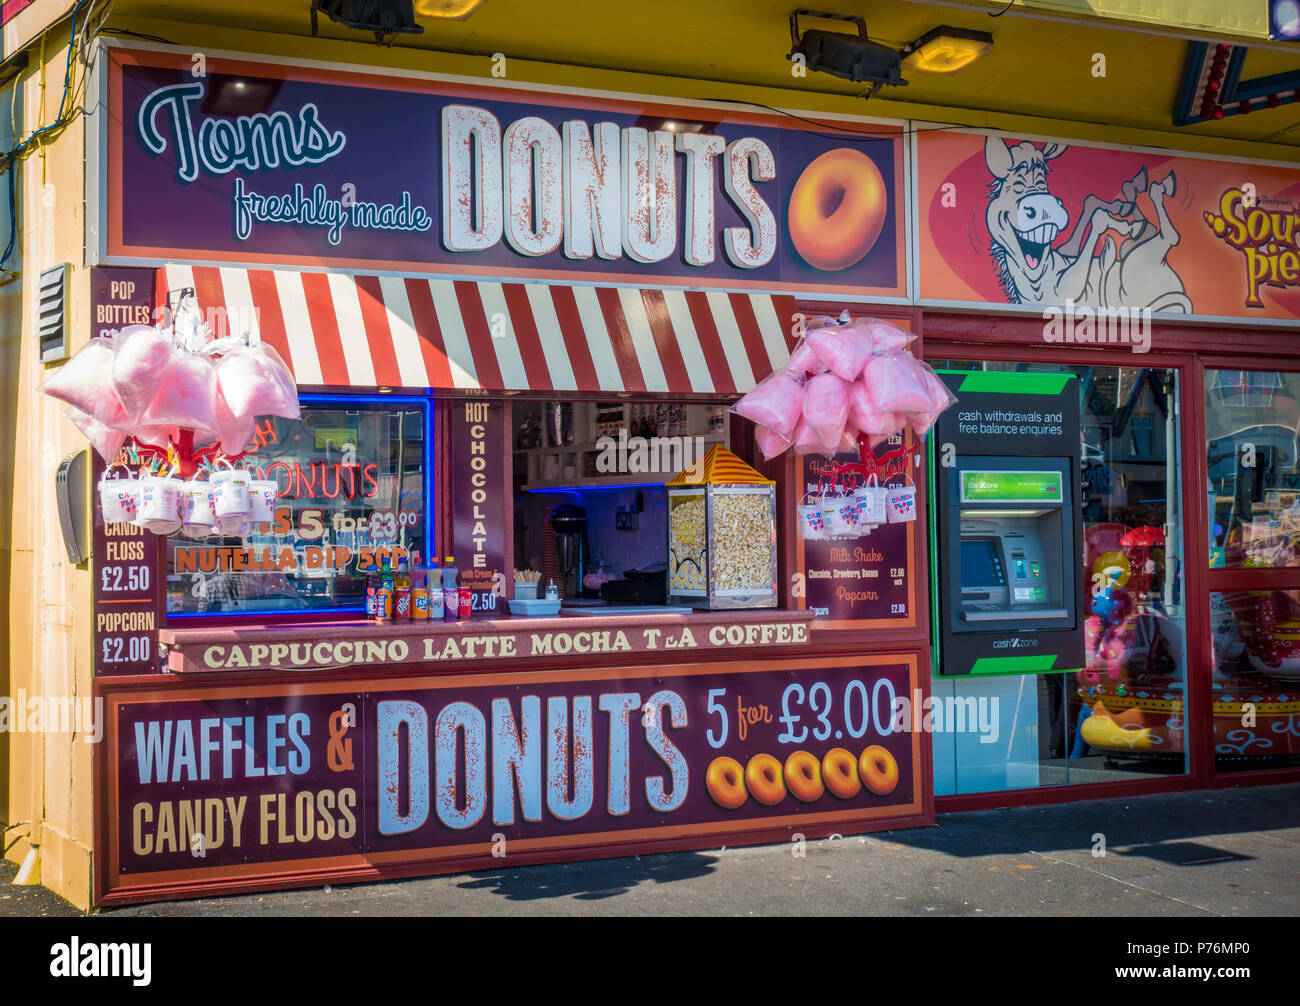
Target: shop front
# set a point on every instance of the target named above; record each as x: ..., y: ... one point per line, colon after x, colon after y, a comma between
x: 1161, y: 289
x: 515, y: 322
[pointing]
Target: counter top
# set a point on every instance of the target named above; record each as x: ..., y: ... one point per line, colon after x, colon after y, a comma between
x: 572, y: 633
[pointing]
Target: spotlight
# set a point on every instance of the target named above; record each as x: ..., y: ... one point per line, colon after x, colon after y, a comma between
x: 852, y: 57
x: 385, y: 18
x: 447, y: 10
x: 946, y: 49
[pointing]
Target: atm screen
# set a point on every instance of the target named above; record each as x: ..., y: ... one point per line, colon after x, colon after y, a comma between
x: 980, y: 564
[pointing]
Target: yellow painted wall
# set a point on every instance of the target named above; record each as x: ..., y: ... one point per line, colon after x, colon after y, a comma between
x: 49, y: 601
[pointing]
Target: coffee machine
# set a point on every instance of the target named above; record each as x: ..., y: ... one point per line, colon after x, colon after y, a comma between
x: 569, y: 522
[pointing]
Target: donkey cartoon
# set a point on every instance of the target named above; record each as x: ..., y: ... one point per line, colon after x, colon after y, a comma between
x: 1025, y: 219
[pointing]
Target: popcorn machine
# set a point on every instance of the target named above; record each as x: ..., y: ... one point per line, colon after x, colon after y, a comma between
x: 721, y: 535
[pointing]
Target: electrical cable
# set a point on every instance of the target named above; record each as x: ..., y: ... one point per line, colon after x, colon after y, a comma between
x: 9, y: 158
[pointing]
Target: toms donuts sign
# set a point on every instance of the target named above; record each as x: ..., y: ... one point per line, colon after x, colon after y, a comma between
x: 261, y: 163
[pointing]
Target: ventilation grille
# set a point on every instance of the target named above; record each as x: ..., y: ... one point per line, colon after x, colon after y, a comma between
x: 52, y: 313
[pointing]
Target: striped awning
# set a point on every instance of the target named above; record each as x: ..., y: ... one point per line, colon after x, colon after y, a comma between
x: 341, y: 330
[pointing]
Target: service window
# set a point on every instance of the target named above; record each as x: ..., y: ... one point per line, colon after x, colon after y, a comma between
x: 353, y: 480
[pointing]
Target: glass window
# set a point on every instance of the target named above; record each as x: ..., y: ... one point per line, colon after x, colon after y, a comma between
x: 1122, y: 715
x: 1256, y: 672
x: 1251, y: 418
x: 352, y: 480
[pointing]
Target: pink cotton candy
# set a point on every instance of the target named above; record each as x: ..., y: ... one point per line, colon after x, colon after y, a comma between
x: 283, y: 376
x: 233, y: 433
x: 862, y: 412
x: 140, y: 355
x: 807, y: 442
x: 104, y: 439
x: 886, y: 336
x: 941, y: 398
x: 770, y: 444
x: 804, y: 361
x: 86, y: 383
x: 844, y: 349
x: 826, y: 408
x: 774, y: 403
x: 895, y: 383
x: 187, y: 395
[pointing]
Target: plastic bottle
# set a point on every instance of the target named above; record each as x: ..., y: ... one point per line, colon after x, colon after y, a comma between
x: 419, y: 589
x: 372, y: 591
x: 450, y: 589
x: 384, y: 605
x: 434, y: 579
x: 402, y: 592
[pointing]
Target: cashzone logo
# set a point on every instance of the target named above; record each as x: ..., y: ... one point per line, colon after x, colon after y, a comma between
x: 1011, y: 487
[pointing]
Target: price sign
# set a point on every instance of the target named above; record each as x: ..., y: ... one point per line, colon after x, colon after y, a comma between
x: 856, y: 582
x: 479, y: 500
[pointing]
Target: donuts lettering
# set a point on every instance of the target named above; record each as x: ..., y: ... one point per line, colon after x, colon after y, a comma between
x: 840, y: 773
x: 879, y: 770
x: 763, y: 777
x: 837, y: 209
x: 726, y: 783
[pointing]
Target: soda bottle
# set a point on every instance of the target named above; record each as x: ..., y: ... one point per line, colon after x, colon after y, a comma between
x: 402, y: 591
x: 419, y: 589
x: 372, y: 591
x: 384, y: 612
x: 450, y: 590
x: 433, y: 578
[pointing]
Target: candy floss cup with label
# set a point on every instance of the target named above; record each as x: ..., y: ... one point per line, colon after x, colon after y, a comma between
x: 160, y: 504
x: 232, y: 498
x: 119, y: 498
x: 198, y: 515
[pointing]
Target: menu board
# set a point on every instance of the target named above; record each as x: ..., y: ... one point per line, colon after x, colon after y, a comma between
x: 855, y: 582
x: 478, y: 499
x: 127, y: 570
x: 126, y: 562
x: 214, y: 786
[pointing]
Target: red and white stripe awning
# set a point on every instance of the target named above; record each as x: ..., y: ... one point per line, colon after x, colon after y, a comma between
x: 340, y: 330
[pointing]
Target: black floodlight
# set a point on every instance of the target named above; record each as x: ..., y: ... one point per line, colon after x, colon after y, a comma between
x: 384, y: 17
x: 853, y: 57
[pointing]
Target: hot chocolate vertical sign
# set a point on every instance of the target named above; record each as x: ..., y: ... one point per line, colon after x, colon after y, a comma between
x: 478, y: 500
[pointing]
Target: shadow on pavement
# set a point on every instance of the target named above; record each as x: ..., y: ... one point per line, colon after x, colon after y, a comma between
x: 591, y: 881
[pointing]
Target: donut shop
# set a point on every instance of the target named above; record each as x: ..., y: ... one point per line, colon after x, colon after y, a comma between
x: 633, y: 473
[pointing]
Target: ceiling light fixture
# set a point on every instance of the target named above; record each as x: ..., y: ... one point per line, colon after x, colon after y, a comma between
x: 447, y: 10
x: 852, y: 57
x: 946, y: 49
x: 386, y: 18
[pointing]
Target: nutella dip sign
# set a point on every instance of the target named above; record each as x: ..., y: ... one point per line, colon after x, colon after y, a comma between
x: 243, y: 161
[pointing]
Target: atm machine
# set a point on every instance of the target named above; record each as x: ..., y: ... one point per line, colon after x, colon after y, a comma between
x: 1006, y: 525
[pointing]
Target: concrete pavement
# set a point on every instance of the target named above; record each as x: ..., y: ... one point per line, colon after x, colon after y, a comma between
x: 1219, y: 853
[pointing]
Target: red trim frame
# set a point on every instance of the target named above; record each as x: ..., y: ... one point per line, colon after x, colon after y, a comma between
x: 1191, y: 350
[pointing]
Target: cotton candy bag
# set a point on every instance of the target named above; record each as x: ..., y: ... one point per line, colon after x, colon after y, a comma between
x: 896, y: 383
x: 803, y: 361
x: 140, y: 355
x: 252, y: 385
x: 826, y: 408
x: 863, y: 413
x: 775, y: 403
x: 887, y: 337
x: 941, y: 398
x: 844, y: 349
x: 770, y: 444
x: 187, y: 392
x: 86, y: 383
x: 106, y: 440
